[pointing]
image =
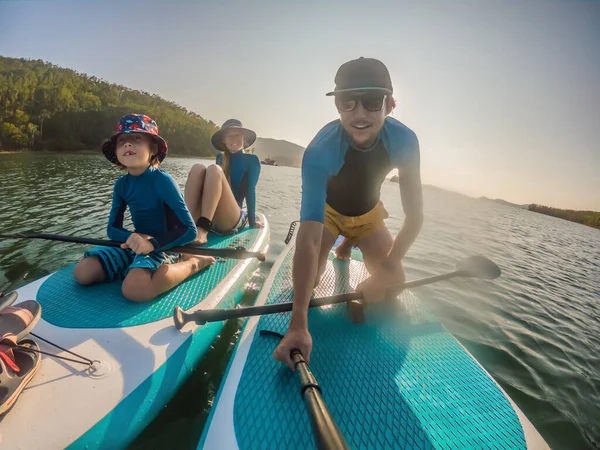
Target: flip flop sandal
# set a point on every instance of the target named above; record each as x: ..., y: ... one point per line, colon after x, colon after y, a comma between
x: 7, y: 299
x: 17, y: 321
x: 15, y: 375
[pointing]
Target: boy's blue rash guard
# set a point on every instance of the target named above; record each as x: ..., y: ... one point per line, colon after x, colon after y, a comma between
x: 324, y: 157
x: 157, y: 209
x: 244, y: 170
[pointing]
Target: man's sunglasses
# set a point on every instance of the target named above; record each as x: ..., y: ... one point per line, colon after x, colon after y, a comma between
x: 371, y: 102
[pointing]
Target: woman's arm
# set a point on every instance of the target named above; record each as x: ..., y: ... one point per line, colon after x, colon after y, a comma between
x: 253, y: 175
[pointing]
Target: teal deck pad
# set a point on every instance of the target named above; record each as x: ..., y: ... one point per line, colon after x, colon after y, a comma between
x: 67, y: 304
x: 398, y: 381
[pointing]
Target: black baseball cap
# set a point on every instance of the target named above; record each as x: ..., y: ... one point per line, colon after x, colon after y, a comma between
x: 362, y: 74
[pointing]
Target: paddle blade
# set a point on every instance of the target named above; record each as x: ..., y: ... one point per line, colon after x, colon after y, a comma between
x: 178, y: 318
x: 478, y: 267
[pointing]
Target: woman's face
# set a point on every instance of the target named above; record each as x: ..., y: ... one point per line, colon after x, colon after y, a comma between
x: 234, y: 140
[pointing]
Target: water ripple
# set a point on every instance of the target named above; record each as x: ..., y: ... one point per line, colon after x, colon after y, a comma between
x: 536, y: 329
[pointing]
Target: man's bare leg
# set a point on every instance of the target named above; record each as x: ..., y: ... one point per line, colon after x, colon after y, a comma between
x: 375, y: 247
x: 344, y: 250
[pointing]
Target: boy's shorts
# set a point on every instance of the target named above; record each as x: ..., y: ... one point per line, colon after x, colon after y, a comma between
x: 117, y: 262
x: 354, y: 228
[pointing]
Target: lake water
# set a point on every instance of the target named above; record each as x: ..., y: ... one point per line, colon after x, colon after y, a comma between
x: 536, y: 329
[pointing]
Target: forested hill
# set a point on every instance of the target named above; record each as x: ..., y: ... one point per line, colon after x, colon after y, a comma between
x: 43, y: 106
x: 589, y: 218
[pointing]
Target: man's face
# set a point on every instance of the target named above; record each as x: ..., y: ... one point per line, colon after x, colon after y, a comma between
x: 362, y: 115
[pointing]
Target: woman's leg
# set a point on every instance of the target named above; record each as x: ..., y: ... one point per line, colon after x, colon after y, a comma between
x: 194, y: 186
x: 208, y: 194
x: 218, y: 203
x: 143, y: 285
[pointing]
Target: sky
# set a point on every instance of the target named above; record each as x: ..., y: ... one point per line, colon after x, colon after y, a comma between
x: 503, y: 95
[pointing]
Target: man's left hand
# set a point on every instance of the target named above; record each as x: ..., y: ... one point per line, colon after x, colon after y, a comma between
x: 387, y: 275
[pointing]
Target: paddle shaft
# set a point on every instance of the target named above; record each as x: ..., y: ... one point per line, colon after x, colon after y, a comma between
x: 327, y: 434
x: 193, y: 250
x: 215, y: 315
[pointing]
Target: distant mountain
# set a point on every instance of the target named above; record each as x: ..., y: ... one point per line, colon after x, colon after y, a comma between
x: 504, y: 202
x: 284, y: 152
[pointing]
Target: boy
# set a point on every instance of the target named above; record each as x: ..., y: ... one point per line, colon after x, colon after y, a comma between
x: 158, y: 212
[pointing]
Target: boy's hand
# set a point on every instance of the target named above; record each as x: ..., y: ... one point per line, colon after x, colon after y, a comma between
x: 139, y: 243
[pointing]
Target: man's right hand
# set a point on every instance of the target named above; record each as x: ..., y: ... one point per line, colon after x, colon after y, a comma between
x: 295, y: 338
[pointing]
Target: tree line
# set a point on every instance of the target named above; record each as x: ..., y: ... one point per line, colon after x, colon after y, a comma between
x: 46, y: 107
x: 589, y: 218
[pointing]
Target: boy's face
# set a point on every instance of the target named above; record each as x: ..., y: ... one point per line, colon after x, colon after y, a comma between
x: 134, y: 150
x: 362, y: 115
x: 234, y: 140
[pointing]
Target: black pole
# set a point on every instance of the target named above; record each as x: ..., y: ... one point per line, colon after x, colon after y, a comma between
x: 232, y: 253
x: 327, y: 434
x: 216, y: 315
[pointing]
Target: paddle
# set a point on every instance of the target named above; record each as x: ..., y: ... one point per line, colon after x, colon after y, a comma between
x: 232, y: 253
x: 327, y: 433
x: 473, y: 267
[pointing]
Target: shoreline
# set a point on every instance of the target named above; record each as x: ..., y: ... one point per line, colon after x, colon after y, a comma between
x: 212, y: 157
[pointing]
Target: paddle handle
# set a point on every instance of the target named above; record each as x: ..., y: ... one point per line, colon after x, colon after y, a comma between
x: 231, y: 253
x: 217, y: 315
x: 327, y: 433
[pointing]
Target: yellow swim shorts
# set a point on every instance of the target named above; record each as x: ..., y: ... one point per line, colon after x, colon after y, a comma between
x: 354, y: 228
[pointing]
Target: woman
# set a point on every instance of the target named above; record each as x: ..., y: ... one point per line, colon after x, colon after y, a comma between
x: 215, y: 194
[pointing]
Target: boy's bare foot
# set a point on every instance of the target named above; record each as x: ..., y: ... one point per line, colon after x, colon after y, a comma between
x: 202, y: 237
x: 202, y: 261
x: 344, y: 250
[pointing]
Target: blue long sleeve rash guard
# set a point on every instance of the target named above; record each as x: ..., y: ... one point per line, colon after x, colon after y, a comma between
x: 157, y: 209
x: 244, y: 170
x: 324, y: 157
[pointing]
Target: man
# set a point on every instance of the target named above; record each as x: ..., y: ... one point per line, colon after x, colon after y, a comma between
x: 342, y: 172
